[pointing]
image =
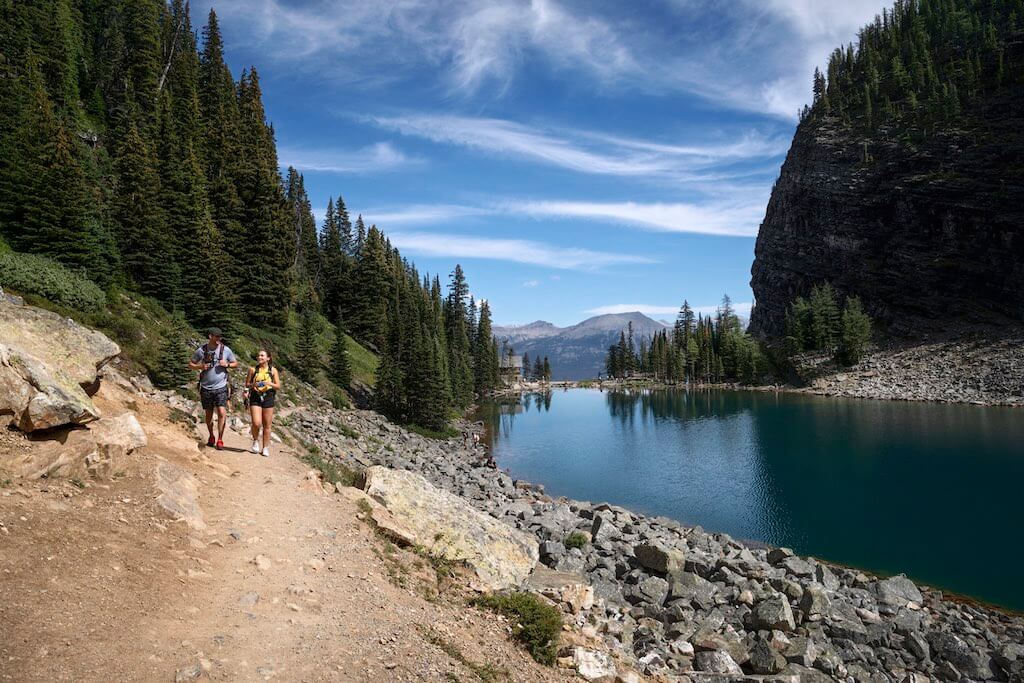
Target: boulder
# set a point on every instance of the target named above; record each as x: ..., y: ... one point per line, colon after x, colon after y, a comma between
x: 688, y: 586
x: 49, y: 367
x: 91, y: 451
x: 815, y: 601
x: 592, y: 665
x: 447, y: 526
x: 659, y: 558
x: 764, y: 659
x: 716, y: 661
x: 567, y: 588
x: 897, y: 591
x: 773, y: 613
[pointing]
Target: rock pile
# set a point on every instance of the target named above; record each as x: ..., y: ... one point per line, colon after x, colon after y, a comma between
x: 690, y: 604
x: 989, y: 373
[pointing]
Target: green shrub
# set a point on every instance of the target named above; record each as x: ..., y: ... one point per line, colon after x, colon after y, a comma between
x: 576, y: 539
x: 441, y: 435
x: 537, y: 623
x: 339, y: 399
x: 4, y: 249
x: 33, y: 274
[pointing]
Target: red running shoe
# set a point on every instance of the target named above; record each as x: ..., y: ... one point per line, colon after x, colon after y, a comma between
x: 211, y: 442
x: 220, y: 445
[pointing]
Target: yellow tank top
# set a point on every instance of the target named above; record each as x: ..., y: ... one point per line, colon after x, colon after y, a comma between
x: 262, y: 375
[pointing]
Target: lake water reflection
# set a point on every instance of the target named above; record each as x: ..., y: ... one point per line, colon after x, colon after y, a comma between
x: 932, y: 490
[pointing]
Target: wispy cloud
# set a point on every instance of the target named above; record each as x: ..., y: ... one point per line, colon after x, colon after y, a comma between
x: 587, y: 151
x: 741, y: 309
x: 531, y: 283
x: 727, y: 219
x: 759, y: 57
x: 517, y: 251
x: 379, y: 157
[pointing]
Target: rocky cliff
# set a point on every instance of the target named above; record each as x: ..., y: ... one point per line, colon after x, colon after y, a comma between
x: 927, y: 227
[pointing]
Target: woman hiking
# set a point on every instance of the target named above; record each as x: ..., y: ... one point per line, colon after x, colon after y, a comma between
x: 262, y: 384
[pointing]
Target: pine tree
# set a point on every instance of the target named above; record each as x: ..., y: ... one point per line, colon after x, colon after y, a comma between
x: 171, y: 370
x: 307, y: 361
x: 546, y: 370
x: 373, y: 284
x: 485, y: 357
x: 341, y: 367
x: 146, y: 251
x: 331, y: 262
x: 306, y: 261
x: 855, y: 332
x: 459, y: 360
x: 264, y: 218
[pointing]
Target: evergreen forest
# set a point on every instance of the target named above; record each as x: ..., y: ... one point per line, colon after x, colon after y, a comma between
x: 132, y: 158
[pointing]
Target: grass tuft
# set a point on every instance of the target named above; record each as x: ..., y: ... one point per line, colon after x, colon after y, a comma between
x: 576, y: 539
x: 537, y: 624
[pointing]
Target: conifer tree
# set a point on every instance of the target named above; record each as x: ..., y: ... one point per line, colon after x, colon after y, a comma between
x: 485, y: 356
x: 341, y: 366
x: 459, y: 360
x: 307, y: 361
x: 171, y: 370
x: 146, y: 250
x: 264, y: 221
x: 855, y: 332
x: 373, y: 282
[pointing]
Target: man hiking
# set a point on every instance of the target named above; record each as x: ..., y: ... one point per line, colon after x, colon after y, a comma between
x: 213, y: 359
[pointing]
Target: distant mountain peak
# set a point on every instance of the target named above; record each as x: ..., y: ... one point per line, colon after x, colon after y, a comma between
x: 577, y: 351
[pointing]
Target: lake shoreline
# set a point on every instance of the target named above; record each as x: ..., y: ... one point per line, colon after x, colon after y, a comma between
x: 839, y: 388
x: 680, y: 601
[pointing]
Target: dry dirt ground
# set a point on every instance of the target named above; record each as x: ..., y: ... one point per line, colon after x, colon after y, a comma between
x: 98, y: 584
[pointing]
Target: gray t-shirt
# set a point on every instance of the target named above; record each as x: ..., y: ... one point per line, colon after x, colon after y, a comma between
x: 216, y: 377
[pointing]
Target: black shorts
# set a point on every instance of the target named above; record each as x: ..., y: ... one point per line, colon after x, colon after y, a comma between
x: 214, y: 398
x: 264, y: 400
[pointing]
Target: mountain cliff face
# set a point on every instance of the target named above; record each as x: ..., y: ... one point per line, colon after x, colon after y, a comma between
x: 930, y: 234
x: 578, y: 351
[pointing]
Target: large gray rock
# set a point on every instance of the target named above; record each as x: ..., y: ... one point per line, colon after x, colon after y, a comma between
x: 47, y: 364
x: 659, y: 557
x: 897, y: 591
x: 716, y: 661
x: 447, y: 526
x: 773, y: 613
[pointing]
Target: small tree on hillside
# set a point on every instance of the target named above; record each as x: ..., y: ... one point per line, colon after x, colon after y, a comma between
x: 171, y: 369
x: 306, y: 360
x: 340, y: 370
x: 855, y: 334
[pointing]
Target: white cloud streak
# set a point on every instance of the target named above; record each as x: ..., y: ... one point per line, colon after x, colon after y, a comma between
x: 379, y: 157
x: 586, y: 151
x: 759, y: 57
x: 716, y: 218
x: 513, y: 250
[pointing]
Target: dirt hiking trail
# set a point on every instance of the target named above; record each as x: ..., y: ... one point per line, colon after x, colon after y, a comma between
x: 278, y: 580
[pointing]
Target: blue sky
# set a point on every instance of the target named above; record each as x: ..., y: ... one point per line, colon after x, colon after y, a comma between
x: 576, y: 157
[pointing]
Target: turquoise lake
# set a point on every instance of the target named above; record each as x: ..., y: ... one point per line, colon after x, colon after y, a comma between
x: 932, y: 490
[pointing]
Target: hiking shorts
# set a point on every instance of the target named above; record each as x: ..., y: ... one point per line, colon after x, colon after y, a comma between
x: 213, y: 398
x: 264, y: 400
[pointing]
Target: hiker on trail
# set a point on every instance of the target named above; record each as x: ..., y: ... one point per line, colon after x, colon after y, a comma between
x: 262, y: 384
x: 213, y: 359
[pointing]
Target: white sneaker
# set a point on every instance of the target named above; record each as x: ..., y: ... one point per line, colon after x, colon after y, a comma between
x: 255, y: 447
x: 266, y: 451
